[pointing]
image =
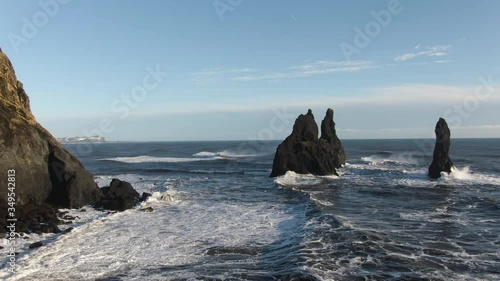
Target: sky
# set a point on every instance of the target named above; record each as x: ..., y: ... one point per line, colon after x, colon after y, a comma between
x: 242, y: 70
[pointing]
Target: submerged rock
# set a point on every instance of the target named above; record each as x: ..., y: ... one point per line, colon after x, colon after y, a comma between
x: 44, y: 171
x: 147, y: 209
x: 118, y: 196
x: 441, y: 160
x: 35, y: 245
x: 304, y: 153
x: 68, y: 230
x: 144, y: 196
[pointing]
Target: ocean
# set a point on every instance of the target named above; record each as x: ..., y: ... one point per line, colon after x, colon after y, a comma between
x: 217, y: 215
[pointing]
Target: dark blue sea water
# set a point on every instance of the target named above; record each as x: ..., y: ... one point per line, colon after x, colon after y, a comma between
x: 217, y: 215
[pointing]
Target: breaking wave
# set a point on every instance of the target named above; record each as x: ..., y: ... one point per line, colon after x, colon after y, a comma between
x: 154, y: 159
x: 293, y: 179
x: 224, y: 154
x: 389, y: 158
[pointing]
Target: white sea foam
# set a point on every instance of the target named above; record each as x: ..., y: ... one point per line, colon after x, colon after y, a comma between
x: 158, y: 198
x: 293, y: 179
x: 398, y: 158
x: 461, y: 174
x: 417, y: 175
x: 465, y: 174
x: 205, y: 154
x: 318, y: 197
x: 153, y: 159
x: 139, y: 244
x: 224, y: 154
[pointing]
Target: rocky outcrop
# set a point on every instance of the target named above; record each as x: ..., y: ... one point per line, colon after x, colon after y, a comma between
x: 44, y: 171
x: 441, y: 161
x: 30, y: 218
x: 302, y: 152
x: 118, y: 196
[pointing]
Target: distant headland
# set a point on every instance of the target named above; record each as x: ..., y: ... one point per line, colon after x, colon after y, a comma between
x: 81, y: 139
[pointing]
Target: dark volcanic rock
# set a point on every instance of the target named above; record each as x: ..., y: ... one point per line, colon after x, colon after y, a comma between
x: 329, y: 141
x: 144, y: 196
x: 31, y: 218
x: 44, y: 171
x: 119, y: 196
x: 302, y: 151
x: 441, y: 161
x: 147, y: 210
x: 35, y: 245
x: 68, y: 230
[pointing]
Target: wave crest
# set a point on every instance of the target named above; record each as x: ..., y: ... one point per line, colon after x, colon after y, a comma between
x: 224, y: 154
x: 154, y: 159
x: 405, y: 158
x: 293, y: 179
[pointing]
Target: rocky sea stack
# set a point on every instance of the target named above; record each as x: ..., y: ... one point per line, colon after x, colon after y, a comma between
x: 441, y: 161
x: 304, y: 153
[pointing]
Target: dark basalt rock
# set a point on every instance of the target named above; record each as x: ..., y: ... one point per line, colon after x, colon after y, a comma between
x: 35, y: 245
x: 144, y: 196
x: 118, y: 196
x: 147, y: 209
x: 44, y: 171
x: 31, y: 218
x: 68, y: 230
x: 441, y: 161
x: 302, y: 152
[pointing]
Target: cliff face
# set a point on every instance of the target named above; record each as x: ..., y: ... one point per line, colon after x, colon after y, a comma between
x: 44, y: 170
x: 302, y: 152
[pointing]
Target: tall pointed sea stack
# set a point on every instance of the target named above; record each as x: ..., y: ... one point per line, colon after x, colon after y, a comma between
x: 441, y: 161
x: 44, y: 171
x: 302, y: 152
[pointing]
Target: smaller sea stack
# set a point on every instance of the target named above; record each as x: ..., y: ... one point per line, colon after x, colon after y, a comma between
x: 441, y: 161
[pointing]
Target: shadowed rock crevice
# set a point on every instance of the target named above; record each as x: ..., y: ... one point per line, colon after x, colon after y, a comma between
x: 304, y: 153
x: 441, y: 161
x: 60, y: 178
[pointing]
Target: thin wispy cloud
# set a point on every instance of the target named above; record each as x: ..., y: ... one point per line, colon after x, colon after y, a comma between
x: 309, y: 69
x: 481, y: 127
x: 443, y: 61
x: 215, y: 74
x: 435, y: 51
